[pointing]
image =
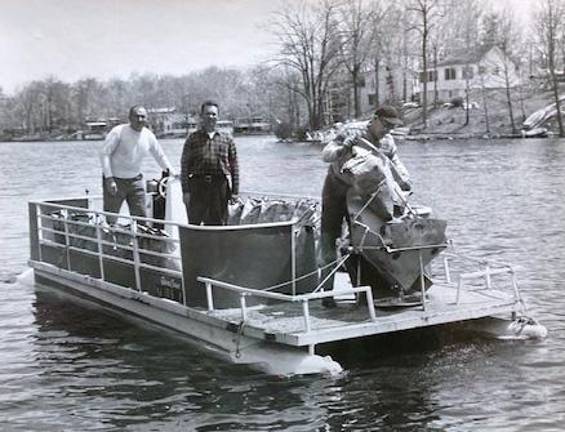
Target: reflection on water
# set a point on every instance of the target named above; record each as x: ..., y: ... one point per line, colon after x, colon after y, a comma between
x: 69, y: 366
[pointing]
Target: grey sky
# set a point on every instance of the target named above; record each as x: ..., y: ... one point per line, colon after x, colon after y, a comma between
x: 73, y: 39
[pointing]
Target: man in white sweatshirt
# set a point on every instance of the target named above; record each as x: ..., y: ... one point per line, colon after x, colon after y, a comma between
x: 122, y: 154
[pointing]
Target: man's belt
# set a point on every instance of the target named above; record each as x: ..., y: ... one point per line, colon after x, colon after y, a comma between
x: 137, y: 177
x: 208, y: 178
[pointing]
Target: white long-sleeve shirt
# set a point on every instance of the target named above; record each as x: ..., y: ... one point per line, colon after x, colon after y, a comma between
x: 125, y: 149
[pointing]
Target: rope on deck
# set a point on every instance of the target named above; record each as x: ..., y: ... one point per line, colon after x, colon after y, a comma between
x: 340, y: 263
x: 337, y: 262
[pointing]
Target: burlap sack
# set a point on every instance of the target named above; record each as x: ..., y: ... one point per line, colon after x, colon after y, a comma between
x: 372, y: 178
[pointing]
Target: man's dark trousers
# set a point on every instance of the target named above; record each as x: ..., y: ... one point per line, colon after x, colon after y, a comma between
x: 209, y: 195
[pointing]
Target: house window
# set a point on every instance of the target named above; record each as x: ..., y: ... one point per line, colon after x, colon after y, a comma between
x: 468, y: 72
x: 372, y: 99
x: 361, y: 82
x: 450, y: 74
x: 482, y: 70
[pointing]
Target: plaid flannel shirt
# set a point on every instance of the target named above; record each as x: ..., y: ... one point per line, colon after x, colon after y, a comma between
x: 204, y: 156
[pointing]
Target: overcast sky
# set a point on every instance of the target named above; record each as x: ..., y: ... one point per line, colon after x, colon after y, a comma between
x: 73, y: 39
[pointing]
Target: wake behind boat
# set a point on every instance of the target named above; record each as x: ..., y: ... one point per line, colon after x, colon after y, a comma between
x: 251, y: 290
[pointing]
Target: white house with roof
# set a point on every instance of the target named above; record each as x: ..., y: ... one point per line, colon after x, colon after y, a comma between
x: 484, y: 69
x: 393, y: 86
x: 167, y: 122
x: 389, y: 85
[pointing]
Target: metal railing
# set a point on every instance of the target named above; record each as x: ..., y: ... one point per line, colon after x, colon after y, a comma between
x: 304, y: 299
x: 483, y: 277
x: 92, y: 237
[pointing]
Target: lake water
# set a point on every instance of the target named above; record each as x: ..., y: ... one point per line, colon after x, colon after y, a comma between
x: 65, y: 366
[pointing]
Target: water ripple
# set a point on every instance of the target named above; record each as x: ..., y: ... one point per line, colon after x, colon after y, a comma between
x: 67, y: 366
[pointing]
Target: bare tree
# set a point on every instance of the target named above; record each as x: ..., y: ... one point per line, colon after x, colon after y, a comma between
x: 468, y: 43
x: 426, y: 12
x: 87, y: 99
x: 358, y: 30
x: 291, y: 82
x: 394, y: 51
x: 508, y: 39
x: 406, y: 58
x: 549, y: 29
x: 381, y: 41
x: 28, y: 102
x: 485, y: 102
x: 435, y: 53
x: 309, y: 43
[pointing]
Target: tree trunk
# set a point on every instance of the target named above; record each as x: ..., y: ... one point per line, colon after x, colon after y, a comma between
x: 467, y: 119
x: 404, y: 86
x: 557, y: 103
x: 467, y: 72
x: 425, y: 67
x: 435, y: 78
x: 521, y: 94
x: 485, y: 106
x: 356, y: 106
x: 552, y: 24
x: 377, y: 80
x: 425, y: 82
x: 509, y: 96
x: 510, y: 111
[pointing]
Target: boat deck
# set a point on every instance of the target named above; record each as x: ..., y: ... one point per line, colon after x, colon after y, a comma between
x: 135, y: 271
x: 286, y: 323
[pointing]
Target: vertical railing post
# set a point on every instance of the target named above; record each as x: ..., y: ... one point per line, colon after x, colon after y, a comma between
x: 209, y: 297
x: 370, y: 303
x: 67, y: 242
x: 243, y: 307
x: 39, y: 221
x: 100, y: 247
x: 293, y: 258
x: 136, y: 260
x: 446, y: 269
x: 306, y: 312
x: 422, y: 280
x: 358, y: 278
x: 183, y: 290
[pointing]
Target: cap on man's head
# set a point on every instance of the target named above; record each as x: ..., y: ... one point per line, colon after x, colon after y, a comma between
x: 389, y: 114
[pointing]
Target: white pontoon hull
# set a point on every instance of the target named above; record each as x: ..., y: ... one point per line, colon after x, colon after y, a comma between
x: 207, y: 332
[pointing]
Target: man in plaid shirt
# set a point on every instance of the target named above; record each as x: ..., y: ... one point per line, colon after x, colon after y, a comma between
x: 209, y: 170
